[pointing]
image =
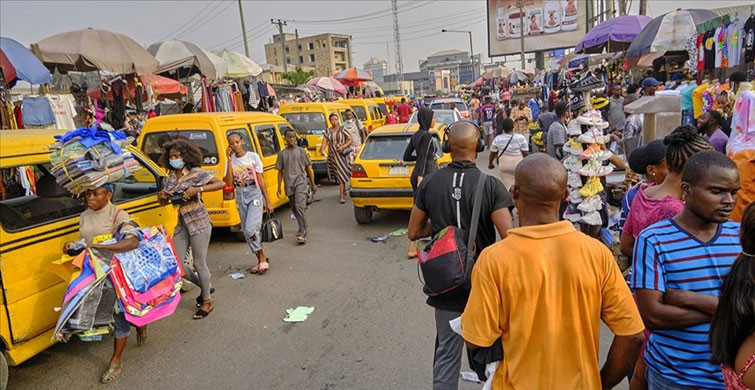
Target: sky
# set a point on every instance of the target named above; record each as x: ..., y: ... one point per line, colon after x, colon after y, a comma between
x: 215, y: 24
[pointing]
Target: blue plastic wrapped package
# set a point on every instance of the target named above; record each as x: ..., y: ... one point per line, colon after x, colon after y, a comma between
x: 153, y: 261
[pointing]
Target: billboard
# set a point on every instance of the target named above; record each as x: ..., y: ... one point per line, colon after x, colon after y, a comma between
x: 545, y: 24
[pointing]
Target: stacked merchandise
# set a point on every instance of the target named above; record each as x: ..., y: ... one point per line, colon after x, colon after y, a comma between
x: 585, y: 168
x: 147, y: 280
x: 87, y: 158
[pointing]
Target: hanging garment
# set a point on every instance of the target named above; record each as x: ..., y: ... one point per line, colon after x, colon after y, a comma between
x: 697, y: 99
x: 734, y: 36
x: 262, y: 89
x: 722, y: 49
x: 749, y: 39
x: 36, y: 111
x: 239, y: 101
x: 700, y: 52
x: 138, y: 91
x: 691, y: 47
x: 709, y: 46
x: 64, y: 109
x: 254, y: 97
x: 118, y: 112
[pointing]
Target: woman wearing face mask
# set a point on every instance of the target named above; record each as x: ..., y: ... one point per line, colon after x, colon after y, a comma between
x: 335, y: 141
x: 183, y: 188
x: 357, y: 130
x: 244, y: 172
x: 421, y: 149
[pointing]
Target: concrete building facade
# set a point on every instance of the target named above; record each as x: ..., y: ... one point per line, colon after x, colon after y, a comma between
x: 451, y: 67
x: 378, y: 67
x: 325, y: 53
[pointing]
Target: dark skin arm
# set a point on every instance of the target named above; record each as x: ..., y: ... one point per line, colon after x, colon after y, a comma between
x: 491, y: 159
x: 703, y: 303
x: 419, y: 225
x: 621, y: 358
x: 656, y: 314
x: 124, y: 245
x: 503, y: 221
x: 263, y: 187
x: 627, y: 245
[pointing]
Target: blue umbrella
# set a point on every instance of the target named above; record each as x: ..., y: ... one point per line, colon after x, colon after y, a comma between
x: 615, y: 34
x: 669, y: 32
x: 25, y: 64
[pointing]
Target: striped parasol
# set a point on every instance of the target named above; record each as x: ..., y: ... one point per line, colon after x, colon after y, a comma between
x: 354, y: 75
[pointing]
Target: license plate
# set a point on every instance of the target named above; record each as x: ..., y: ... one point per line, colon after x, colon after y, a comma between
x: 398, y: 171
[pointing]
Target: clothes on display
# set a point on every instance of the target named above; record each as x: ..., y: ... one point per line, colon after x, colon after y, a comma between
x: 726, y: 46
x: 37, y: 111
x: 64, y: 110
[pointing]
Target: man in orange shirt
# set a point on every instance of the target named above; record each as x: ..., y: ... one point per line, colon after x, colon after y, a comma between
x: 544, y: 290
x: 745, y: 161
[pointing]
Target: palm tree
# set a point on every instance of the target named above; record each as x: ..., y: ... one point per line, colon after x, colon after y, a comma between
x: 298, y: 76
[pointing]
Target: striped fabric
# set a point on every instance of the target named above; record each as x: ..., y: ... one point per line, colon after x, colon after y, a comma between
x: 666, y: 256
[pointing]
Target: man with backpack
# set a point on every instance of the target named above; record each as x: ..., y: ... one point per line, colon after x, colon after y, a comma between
x: 444, y: 204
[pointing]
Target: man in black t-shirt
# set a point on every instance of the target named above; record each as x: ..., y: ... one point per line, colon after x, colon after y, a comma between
x: 435, y: 207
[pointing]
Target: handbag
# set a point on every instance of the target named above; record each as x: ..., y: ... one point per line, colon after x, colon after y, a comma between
x: 272, y: 229
x: 446, y: 260
x: 347, y: 151
x: 504, y: 149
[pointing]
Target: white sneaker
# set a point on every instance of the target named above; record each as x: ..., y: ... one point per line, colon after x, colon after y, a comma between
x: 594, y: 168
x: 575, y: 181
x: 573, y: 164
x: 591, y: 218
x: 572, y: 216
x: 574, y: 197
x: 586, y: 138
x: 573, y: 148
x: 593, y: 203
x: 574, y: 128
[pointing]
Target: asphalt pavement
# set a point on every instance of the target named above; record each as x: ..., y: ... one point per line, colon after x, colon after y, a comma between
x: 370, y: 328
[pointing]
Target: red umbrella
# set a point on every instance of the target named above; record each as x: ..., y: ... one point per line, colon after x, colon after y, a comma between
x: 163, y: 86
x: 353, y: 76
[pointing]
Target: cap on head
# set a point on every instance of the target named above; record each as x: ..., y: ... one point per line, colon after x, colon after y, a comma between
x: 651, y: 154
x: 650, y: 82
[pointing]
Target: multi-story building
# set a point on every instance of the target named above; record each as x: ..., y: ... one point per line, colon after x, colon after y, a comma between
x: 326, y: 53
x: 423, y: 82
x: 378, y: 67
x: 451, y: 67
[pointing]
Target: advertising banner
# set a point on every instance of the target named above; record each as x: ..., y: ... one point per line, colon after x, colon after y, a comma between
x: 545, y: 24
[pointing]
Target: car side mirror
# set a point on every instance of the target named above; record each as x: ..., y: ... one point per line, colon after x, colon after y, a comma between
x: 160, y: 183
x: 302, y: 143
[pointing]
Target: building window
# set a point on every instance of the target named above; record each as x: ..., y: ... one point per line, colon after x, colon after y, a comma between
x: 286, y: 49
x: 311, y: 46
x: 311, y: 58
x: 288, y: 60
x: 299, y: 47
x: 301, y: 59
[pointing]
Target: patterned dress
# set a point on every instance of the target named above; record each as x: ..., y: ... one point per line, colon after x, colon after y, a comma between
x: 339, y: 166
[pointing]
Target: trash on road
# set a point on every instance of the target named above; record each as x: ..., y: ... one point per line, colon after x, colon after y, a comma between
x: 380, y: 239
x: 299, y: 314
x: 470, y: 376
x: 399, y: 232
x: 292, y: 217
x: 237, y: 275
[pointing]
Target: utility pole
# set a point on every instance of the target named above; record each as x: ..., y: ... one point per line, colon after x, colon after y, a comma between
x: 622, y: 7
x: 243, y: 30
x: 521, y: 31
x: 610, y: 9
x: 280, y: 24
x: 643, y: 7
x: 397, y: 42
x: 298, y: 47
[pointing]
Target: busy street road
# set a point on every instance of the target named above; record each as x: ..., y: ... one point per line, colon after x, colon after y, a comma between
x: 370, y: 329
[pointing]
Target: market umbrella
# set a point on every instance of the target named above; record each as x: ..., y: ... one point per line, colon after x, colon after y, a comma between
x: 614, y: 34
x: 163, y: 86
x: 239, y: 65
x: 478, y: 83
x: 669, y: 32
x: 328, y: 84
x: 517, y: 76
x: 91, y: 49
x: 186, y: 56
x: 353, y: 75
x: 18, y: 62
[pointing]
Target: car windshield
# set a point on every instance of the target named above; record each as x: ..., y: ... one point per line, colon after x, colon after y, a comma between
x: 440, y: 116
x: 391, y: 147
x: 360, y: 112
x: 307, y: 122
x: 461, y: 106
x: 204, y: 139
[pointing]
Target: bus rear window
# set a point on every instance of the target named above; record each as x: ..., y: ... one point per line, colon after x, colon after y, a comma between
x: 204, y: 139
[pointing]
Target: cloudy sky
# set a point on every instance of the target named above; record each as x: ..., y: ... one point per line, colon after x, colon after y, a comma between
x: 215, y: 24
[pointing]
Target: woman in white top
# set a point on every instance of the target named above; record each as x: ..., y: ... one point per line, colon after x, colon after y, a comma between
x: 508, y: 148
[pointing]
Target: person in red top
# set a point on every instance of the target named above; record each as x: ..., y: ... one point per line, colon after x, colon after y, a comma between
x: 391, y: 118
x: 404, y: 111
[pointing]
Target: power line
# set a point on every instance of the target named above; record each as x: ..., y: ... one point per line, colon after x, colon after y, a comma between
x: 362, y: 18
x: 405, y: 40
x: 209, y: 19
x: 249, y: 31
x: 188, y: 21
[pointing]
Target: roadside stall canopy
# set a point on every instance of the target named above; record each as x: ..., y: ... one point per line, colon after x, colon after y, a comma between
x: 613, y: 35
x: 353, y: 76
x: 19, y: 63
x: 91, y: 49
x: 669, y: 32
x: 517, y: 76
x: 328, y: 84
x: 239, y: 65
x: 187, y: 58
x: 163, y: 86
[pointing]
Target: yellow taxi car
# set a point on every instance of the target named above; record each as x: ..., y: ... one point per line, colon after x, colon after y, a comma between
x: 379, y: 179
x: 382, y: 103
x: 37, y: 217
x: 262, y: 133
x: 310, y: 120
x: 366, y: 111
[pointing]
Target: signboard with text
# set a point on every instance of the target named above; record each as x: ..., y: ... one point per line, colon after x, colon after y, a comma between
x: 545, y: 24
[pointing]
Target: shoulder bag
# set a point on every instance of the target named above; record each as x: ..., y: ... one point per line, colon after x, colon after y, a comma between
x: 504, y: 149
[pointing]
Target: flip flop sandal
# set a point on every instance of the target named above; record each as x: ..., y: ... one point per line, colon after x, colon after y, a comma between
x: 141, y: 336
x: 263, y: 267
x: 199, y: 298
x: 301, y: 240
x: 112, y: 373
x: 202, y: 313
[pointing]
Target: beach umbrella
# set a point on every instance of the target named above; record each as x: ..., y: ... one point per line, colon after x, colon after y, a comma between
x: 18, y: 62
x: 353, y: 75
x: 614, y: 34
x: 328, y: 84
x: 188, y: 58
x: 518, y: 76
x: 91, y: 49
x: 239, y: 65
x: 669, y: 32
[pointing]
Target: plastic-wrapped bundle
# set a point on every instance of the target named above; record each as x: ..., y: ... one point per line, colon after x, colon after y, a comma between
x: 87, y: 158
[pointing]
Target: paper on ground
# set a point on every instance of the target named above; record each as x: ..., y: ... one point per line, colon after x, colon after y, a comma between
x: 299, y: 314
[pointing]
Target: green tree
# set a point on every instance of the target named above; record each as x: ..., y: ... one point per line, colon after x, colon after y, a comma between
x: 439, y: 92
x: 298, y: 76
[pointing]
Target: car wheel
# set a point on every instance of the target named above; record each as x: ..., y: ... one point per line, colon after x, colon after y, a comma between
x: 363, y: 215
x: 3, y: 372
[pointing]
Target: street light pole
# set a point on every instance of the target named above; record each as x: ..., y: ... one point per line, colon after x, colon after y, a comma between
x: 471, y: 50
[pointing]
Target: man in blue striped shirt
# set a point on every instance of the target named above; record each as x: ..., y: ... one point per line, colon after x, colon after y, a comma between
x: 679, y: 264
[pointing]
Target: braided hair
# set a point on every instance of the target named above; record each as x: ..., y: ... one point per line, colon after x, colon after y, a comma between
x: 681, y: 144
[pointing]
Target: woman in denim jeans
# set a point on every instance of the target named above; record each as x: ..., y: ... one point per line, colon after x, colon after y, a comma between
x: 244, y: 171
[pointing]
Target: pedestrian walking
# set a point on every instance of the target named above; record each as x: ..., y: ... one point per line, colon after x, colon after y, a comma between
x: 732, y: 337
x: 244, y: 171
x: 404, y: 111
x: 556, y: 136
x: 183, y: 188
x: 678, y: 268
x: 103, y: 218
x: 649, y: 161
x: 709, y: 125
x: 616, y: 116
x: 356, y: 128
x: 523, y: 291
x: 295, y: 170
x: 456, y: 185
x: 655, y: 203
x: 507, y: 150
x: 422, y: 150
x: 522, y: 117
x: 337, y: 142
x: 487, y: 112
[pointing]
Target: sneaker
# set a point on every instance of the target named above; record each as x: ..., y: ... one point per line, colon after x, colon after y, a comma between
x: 572, y: 215
x: 574, y: 129
x: 586, y: 83
x: 590, y: 204
x: 592, y: 187
x: 574, y: 197
x: 592, y: 118
x: 572, y: 164
x: 586, y: 138
x: 593, y: 136
x: 576, y: 102
x: 572, y: 147
x: 592, y: 219
x: 595, y: 168
x: 575, y: 181
x: 593, y: 152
